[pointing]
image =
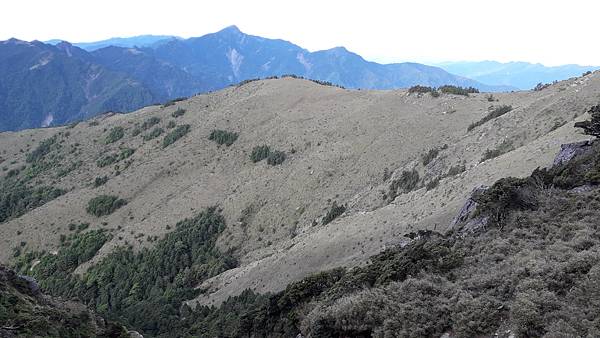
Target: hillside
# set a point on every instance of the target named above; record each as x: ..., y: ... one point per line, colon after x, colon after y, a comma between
x: 45, y: 85
x: 130, y: 197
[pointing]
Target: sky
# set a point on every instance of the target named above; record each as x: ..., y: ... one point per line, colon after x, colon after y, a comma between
x: 549, y: 32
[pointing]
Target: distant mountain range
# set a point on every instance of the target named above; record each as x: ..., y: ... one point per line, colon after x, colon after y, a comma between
x: 521, y: 75
x: 134, y: 41
x: 53, y: 83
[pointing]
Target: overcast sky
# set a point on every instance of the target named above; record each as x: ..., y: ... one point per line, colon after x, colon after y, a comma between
x: 550, y: 32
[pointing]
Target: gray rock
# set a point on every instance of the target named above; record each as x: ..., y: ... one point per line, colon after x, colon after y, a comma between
x: 32, y: 284
x: 468, y: 208
x: 570, y: 150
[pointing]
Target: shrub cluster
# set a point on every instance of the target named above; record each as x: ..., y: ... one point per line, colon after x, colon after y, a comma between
x: 175, y: 135
x: 223, y: 137
x: 100, y: 180
x: 104, y: 205
x: 503, y: 148
x: 17, y: 198
x: 173, y: 101
x: 496, y: 112
x: 276, y: 157
x: 154, y: 133
x: 407, y: 182
x: 456, y: 90
x: 114, y: 134
x: 259, y: 153
x: 334, y: 212
x: 178, y: 112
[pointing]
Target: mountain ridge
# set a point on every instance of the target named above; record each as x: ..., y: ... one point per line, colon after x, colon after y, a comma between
x: 127, y: 78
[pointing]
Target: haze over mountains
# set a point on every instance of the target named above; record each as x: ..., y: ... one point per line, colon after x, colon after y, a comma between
x: 45, y: 85
x: 522, y: 75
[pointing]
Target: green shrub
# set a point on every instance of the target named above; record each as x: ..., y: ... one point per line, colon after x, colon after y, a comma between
x: 503, y: 148
x: 259, y: 153
x: 17, y: 198
x: 45, y: 147
x: 126, y: 153
x: 104, y: 205
x: 171, y: 125
x: 106, y: 160
x: 156, y: 132
x: 420, y: 89
x: 334, y: 212
x: 114, y: 134
x: 150, y: 122
x: 223, y: 137
x: 178, y: 112
x: 276, y: 157
x: 175, y: 135
x: 497, y: 112
x: 449, y: 89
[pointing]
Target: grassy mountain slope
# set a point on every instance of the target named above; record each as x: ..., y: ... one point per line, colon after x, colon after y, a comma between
x: 136, y: 176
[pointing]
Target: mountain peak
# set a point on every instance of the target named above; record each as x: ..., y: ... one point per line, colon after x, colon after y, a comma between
x: 233, y: 29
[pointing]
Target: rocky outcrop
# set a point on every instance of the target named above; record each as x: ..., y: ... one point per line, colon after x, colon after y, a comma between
x: 570, y: 150
x: 468, y: 209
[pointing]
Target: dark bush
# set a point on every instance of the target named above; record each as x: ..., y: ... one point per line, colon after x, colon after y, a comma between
x: 503, y: 148
x: 178, y: 112
x: 334, y: 212
x: 259, y: 153
x: 276, y: 157
x: 175, y: 135
x: 100, y: 181
x: 171, y: 125
x: 150, y: 122
x: 173, y: 101
x: 45, y: 147
x: 408, y: 181
x: 17, y: 198
x: 114, y: 134
x: 223, y: 137
x: 449, y: 89
x: 104, y: 205
x: 497, y: 112
x: 106, y: 160
x: 154, y: 133
x: 421, y: 89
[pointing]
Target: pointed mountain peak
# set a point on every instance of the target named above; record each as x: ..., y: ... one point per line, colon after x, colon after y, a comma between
x: 233, y: 29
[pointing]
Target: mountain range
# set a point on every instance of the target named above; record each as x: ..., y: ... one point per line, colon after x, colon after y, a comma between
x: 522, y: 75
x: 43, y: 84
